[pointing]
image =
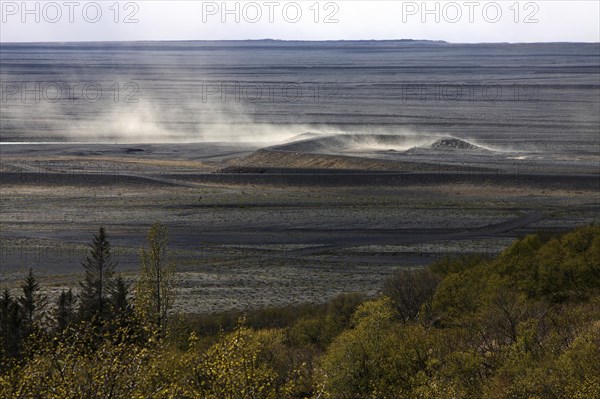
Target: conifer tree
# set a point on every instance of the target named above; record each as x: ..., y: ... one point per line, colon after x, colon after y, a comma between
x: 119, y: 297
x: 32, y: 303
x: 11, y: 325
x: 65, y: 309
x: 99, y: 270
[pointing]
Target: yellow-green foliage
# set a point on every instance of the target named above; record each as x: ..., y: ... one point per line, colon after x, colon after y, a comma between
x: 562, y: 267
x: 522, y: 326
x: 235, y: 367
x: 155, y: 289
x: 68, y: 367
x: 378, y: 357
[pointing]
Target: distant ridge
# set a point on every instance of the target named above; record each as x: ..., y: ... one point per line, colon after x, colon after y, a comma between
x: 265, y: 40
x: 287, y: 41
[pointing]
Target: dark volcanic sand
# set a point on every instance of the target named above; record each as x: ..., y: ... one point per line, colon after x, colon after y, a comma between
x: 303, y: 220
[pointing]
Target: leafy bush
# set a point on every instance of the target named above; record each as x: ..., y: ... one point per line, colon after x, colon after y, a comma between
x: 523, y: 325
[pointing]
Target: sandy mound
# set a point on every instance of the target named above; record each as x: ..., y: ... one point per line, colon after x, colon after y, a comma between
x: 452, y: 147
x: 452, y: 143
x: 297, y: 160
x: 369, y: 152
x: 349, y: 143
x: 269, y: 158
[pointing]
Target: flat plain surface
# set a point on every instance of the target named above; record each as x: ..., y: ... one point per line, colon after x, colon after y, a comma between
x: 261, y: 213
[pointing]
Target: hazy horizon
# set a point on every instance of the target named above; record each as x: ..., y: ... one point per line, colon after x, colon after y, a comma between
x: 454, y: 22
x: 288, y: 41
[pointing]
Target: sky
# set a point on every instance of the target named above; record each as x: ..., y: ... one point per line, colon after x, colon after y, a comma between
x: 452, y: 21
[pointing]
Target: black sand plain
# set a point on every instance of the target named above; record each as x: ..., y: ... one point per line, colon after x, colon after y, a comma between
x: 357, y: 158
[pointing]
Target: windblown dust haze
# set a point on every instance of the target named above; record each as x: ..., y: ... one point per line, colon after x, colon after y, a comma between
x: 519, y: 95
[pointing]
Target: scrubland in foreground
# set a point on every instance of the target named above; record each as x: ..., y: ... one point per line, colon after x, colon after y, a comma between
x: 524, y: 324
